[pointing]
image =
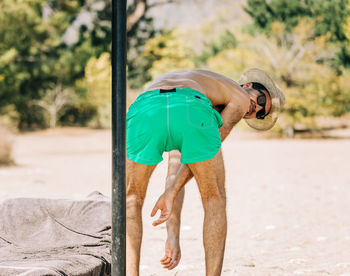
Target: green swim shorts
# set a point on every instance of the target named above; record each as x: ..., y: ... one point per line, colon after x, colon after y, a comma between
x: 177, y: 119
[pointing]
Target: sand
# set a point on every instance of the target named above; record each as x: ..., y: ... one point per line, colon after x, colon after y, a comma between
x: 288, y: 200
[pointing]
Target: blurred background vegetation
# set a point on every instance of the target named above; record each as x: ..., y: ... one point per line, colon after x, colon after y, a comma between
x: 55, y: 55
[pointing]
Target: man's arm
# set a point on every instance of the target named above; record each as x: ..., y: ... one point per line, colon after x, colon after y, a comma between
x: 166, y: 200
x: 172, y: 254
x: 231, y: 115
x: 183, y: 175
x: 173, y: 224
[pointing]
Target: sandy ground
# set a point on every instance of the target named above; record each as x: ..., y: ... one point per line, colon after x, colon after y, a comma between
x: 288, y: 210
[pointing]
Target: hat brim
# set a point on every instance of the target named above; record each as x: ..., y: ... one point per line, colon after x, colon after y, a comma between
x: 277, y: 98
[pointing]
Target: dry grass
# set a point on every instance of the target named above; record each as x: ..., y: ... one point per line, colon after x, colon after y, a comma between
x: 6, y: 146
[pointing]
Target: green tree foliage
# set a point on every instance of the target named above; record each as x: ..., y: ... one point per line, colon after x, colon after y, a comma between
x: 6, y: 146
x: 226, y: 40
x: 168, y: 52
x: 312, y: 88
x: 32, y: 54
x: 54, y: 101
x: 140, y: 28
x: 346, y: 28
x: 329, y: 18
x: 98, y: 79
x: 329, y: 15
x: 138, y: 64
x: 98, y: 75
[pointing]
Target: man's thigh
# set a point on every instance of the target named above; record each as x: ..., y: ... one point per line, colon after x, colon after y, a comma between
x: 137, y: 178
x: 210, y: 177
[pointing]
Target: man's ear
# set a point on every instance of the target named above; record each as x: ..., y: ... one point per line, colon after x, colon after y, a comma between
x: 248, y: 85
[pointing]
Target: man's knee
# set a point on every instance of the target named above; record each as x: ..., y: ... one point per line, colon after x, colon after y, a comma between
x: 214, y: 202
x: 135, y: 193
x: 134, y: 200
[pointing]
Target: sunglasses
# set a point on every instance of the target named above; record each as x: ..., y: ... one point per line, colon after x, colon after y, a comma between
x: 261, y: 100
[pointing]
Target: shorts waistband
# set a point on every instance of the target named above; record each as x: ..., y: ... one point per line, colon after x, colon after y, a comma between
x: 175, y: 91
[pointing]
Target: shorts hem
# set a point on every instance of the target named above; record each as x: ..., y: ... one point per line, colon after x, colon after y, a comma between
x: 200, y: 158
x: 143, y: 161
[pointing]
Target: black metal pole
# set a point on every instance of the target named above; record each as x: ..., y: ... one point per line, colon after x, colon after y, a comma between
x: 118, y: 136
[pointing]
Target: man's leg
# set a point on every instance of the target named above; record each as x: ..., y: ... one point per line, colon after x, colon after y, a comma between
x: 210, y: 177
x: 137, y: 177
x: 172, y: 246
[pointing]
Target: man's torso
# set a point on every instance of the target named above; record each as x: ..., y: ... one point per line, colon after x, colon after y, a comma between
x: 219, y: 89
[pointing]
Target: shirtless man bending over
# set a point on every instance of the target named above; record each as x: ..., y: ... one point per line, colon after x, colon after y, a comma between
x: 189, y: 114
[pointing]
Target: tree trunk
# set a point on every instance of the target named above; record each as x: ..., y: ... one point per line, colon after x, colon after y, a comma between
x: 53, y: 118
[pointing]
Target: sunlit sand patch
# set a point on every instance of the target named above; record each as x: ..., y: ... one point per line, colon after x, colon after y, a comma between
x: 186, y: 228
x: 190, y: 238
x: 302, y: 271
x: 78, y: 196
x: 235, y: 273
x: 270, y: 227
x: 343, y: 265
x: 144, y: 267
x: 256, y: 236
x: 249, y: 265
x: 295, y: 248
x: 297, y: 261
x: 183, y: 267
x: 37, y: 171
x: 28, y: 172
x: 3, y: 195
x: 5, y: 173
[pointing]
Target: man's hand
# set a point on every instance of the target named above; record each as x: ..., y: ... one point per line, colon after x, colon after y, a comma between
x: 165, y: 205
x: 172, y: 254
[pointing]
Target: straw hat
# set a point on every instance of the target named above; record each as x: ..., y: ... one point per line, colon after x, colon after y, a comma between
x: 277, y: 97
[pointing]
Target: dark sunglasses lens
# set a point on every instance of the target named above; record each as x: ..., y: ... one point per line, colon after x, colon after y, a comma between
x: 261, y: 100
x: 260, y: 114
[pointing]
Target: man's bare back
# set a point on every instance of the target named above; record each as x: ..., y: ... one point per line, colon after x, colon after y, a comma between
x: 219, y: 89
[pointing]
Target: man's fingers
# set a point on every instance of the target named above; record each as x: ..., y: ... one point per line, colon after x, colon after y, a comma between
x: 175, y: 258
x: 173, y: 264
x: 168, y: 264
x: 154, y: 210
x: 159, y: 221
x: 166, y: 258
x: 173, y: 261
x: 166, y: 261
x: 163, y: 217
